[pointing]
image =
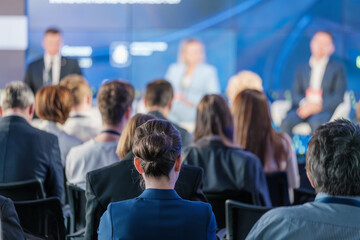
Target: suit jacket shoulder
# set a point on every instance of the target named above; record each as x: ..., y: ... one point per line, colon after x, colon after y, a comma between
x: 10, y: 225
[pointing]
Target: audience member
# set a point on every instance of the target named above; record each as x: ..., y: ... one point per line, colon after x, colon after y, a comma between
x: 319, y: 86
x: 120, y: 181
x: 26, y: 152
x: 191, y: 78
x: 242, y: 81
x: 227, y: 168
x: 52, y: 66
x: 114, y: 102
x: 158, y: 102
x: 84, y: 121
x: 333, y: 168
x: 358, y: 112
x: 53, y: 105
x: 254, y: 132
x: 159, y: 211
x: 10, y: 228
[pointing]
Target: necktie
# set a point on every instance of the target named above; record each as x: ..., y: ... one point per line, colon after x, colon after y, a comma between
x: 50, y: 73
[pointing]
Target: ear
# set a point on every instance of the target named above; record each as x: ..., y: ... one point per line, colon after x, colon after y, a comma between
x: 1, y: 112
x: 128, y: 113
x: 138, y: 165
x: 31, y: 110
x: 145, y: 102
x: 88, y: 99
x: 312, y: 184
x: 170, y: 104
x: 177, y: 166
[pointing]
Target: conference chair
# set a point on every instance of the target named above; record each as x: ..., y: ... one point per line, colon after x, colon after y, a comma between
x: 23, y: 190
x: 42, y: 217
x: 302, y: 195
x: 217, y: 201
x: 278, y: 188
x: 77, y: 202
x: 240, y: 218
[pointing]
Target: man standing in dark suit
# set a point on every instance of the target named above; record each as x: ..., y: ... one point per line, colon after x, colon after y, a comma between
x: 26, y: 152
x: 158, y: 102
x: 52, y: 67
x: 319, y: 86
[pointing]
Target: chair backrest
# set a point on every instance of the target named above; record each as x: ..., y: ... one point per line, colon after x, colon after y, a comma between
x: 240, y: 218
x: 302, y: 195
x: 42, y: 217
x: 278, y: 188
x: 23, y: 190
x: 217, y: 201
x: 77, y: 202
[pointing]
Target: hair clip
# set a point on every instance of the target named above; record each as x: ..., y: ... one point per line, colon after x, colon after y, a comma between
x: 176, y: 148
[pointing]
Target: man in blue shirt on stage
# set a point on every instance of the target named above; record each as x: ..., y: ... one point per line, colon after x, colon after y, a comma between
x: 333, y: 168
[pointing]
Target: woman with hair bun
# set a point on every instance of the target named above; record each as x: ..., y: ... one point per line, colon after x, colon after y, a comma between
x: 159, y: 212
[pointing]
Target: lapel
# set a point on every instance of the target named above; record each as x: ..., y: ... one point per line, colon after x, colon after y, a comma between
x: 63, y: 62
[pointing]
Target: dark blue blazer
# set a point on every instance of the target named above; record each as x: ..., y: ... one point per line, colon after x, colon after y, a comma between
x: 10, y: 226
x: 158, y: 214
x: 333, y: 85
x: 28, y: 153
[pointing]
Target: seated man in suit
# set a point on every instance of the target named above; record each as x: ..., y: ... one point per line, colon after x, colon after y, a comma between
x: 26, y: 152
x: 52, y: 66
x: 158, y: 101
x: 319, y: 86
x: 333, y: 168
x: 10, y: 226
x: 114, y: 102
x: 84, y: 121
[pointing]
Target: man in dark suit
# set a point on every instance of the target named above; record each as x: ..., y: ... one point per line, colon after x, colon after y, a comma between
x: 319, y: 86
x: 52, y: 67
x: 158, y: 102
x: 121, y: 181
x: 26, y: 152
x: 10, y: 225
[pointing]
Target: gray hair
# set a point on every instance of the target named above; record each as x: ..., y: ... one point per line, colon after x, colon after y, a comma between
x: 16, y: 95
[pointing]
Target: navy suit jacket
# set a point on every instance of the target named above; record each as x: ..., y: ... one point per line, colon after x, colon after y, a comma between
x: 28, y: 153
x: 333, y: 85
x: 34, y: 73
x: 158, y: 214
x: 10, y: 226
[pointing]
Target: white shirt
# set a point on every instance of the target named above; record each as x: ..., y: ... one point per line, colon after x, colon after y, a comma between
x: 317, y: 72
x: 84, y: 125
x: 56, y: 67
x: 66, y: 141
x: 87, y: 157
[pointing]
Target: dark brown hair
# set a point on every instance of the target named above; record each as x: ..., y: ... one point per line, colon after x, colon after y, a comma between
x: 113, y: 100
x: 157, y: 144
x: 127, y: 136
x: 78, y: 87
x: 52, y: 30
x: 213, y: 117
x: 253, y: 129
x: 159, y: 93
x: 53, y: 103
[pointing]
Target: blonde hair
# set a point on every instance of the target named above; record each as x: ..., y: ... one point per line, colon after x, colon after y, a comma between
x: 241, y: 81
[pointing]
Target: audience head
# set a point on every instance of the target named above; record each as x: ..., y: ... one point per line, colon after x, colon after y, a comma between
x: 157, y: 147
x: 114, y: 101
x: 322, y: 45
x: 127, y: 136
x: 52, y: 41
x: 17, y: 97
x: 358, y: 112
x: 241, y: 81
x: 53, y: 103
x: 333, y: 159
x: 80, y: 90
x: 159, y: 95
x: 191, y: 52
x: 213, y: 117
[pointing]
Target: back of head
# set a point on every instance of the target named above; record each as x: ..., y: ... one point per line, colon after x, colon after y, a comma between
x: 127, y: 136
x: 157, y: 144
x: 159, y: 93
x: 54, y: 103
x: 78, y: 86
x: 113, y: 100
x: 213, y: 117
x: 242, y: 81
x: 16, y: 95
x: 333, y: 158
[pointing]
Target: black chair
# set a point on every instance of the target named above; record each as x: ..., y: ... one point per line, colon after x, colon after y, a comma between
x: 77, y: 202
x: 278, y: 188
x: 23, y: 190
x: 302, y: 195
x: 42, y: 217
x: 240, y: 218
x: 217, y: 201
